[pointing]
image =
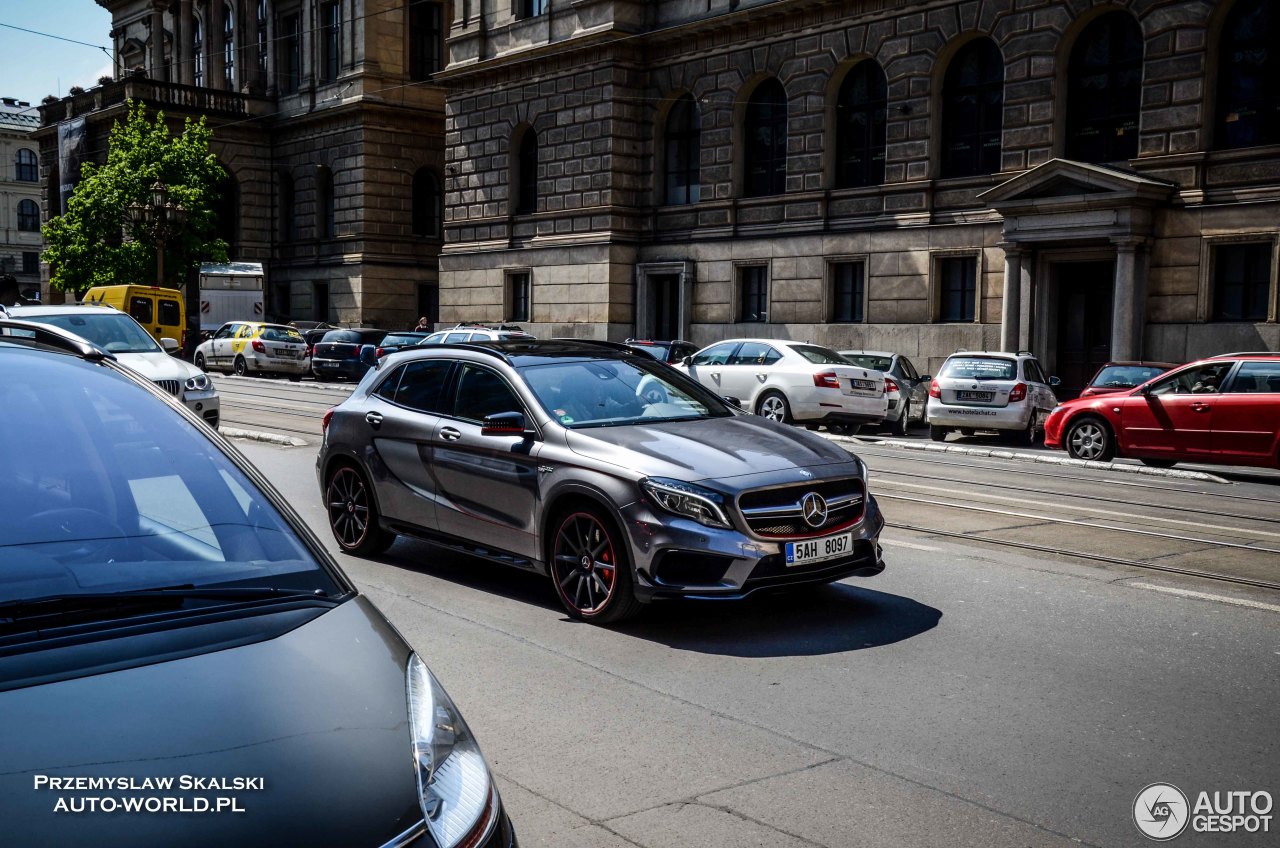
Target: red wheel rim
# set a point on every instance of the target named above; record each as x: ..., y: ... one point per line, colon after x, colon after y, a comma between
x: 348, y: 503
x: 584, y: 564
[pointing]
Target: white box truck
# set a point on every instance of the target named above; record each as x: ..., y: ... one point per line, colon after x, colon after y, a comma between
x: 230, y: 291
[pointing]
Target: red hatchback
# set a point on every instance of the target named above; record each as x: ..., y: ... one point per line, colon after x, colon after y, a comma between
x: 1225, y: 409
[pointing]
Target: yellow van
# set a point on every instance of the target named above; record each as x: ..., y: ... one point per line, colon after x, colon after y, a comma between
x: 161, y: 311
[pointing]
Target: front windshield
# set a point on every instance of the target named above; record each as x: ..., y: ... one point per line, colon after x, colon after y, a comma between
x: 819, y: 355
x: 979, y: 368
x: 1125, y: 376
x: 613, y: 392
x: 871, y: 361
x: 103, y: 488
x: 114, y: 332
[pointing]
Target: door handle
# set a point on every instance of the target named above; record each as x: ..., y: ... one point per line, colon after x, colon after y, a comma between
x: 450, y: 435
x: 374, y: 419
x: 1199, y: 407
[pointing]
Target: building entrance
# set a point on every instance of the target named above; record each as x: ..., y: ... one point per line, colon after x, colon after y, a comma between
x: 1085, y: 292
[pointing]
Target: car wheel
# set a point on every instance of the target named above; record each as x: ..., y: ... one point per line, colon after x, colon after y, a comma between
x: 938, y: 434
x: 903, y: 423
x: 774, y: 406
x: 241, y: 367
x: 966, y: 431
x: 1090, y: 439
x: 200, y: 362
x: 353, y: 518
x: 1160, y: 463
x: 1025, y: 438
x: 295, y: 378
x: 590, y: 568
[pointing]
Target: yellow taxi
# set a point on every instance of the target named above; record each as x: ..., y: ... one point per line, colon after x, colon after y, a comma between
x: 246, y: 347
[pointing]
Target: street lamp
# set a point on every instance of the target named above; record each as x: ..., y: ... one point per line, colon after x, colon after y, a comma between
x: 163, y: 218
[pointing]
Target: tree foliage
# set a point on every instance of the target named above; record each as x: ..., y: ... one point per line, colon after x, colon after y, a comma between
x: 94, y: 243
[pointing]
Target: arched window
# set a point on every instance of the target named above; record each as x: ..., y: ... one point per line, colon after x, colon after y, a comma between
x: 286, y: 206
x: 973, y: 110
x: 765, y: 145
x: 426, y: 203
x: 683, y: 149
x: 28, y: 168
x: 860, y: 127
x: 229, y: 45
x: 527, y: 174
x: 1104, y: 90
x: 1249, y: 77
x: 197, y: 52
x: 325, y: 204
x: 28, y: 216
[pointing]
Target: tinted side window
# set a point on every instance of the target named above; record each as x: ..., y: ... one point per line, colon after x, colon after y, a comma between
x: 1206, y: 379
x: 1257, y: 378
x: 423, y: 384
x: 482, y: 393
x: 387, y: 388
x: 456, y: 337
x: 908, y: 369
x: 717, y: 355
x: 169, y: 312
x: 141, y: 309
x: 755, y: 353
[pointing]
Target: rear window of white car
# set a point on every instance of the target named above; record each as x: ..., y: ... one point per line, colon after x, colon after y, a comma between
x: 819, y: 355
x: 980, y: 368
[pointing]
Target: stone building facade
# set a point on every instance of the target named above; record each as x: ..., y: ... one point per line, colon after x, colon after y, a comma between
x: 1087, y: 179
x: 327, y: 119
x: 19, y: 196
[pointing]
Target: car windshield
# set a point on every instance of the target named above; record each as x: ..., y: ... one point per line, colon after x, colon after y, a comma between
x: 1125, y: 376
x: 399, y: 340
x: 658, y: 353
x: 613, y: 392
x: 869, y: 360
x: 819, y: 355
x: 112, y: 331
x: 104, y: 488
x: 979, y: 368
x: 281, y: 334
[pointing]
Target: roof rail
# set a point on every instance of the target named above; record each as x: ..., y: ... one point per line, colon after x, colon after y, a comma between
x: 476, y: 347
x: 51, y: 336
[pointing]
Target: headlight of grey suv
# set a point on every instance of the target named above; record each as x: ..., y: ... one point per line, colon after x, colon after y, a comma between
x: 685, y: 499
x: 198, y: 383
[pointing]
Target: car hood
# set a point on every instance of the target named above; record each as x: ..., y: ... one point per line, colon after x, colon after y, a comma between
x: 709, y: 449
x: 318, y: 714
x: 158, y: 366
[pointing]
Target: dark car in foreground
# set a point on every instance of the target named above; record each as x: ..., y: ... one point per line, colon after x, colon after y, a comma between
x: 1118, y: 376
x: 181, y: 662
x: 555, y: 457
x: 1221, y: 410
x: 337, y: 354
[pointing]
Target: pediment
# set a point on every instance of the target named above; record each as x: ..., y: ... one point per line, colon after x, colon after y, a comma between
x: 1062, y: 182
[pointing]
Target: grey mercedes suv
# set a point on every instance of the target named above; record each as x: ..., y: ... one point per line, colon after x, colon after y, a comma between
x: 545, y: 455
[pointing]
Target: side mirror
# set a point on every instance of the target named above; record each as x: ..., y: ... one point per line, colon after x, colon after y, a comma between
x: 503, y: 424
x: 732, y: 401
x: 1055, y: 382
x: 369, y: 356
x: 169, y: 345
x: 687, y: 361
x: 1144, y: 390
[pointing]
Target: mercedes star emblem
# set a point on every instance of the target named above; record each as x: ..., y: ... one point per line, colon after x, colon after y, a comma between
x: 813, y: 508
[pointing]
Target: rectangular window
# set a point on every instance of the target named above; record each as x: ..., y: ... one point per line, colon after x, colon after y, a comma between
x: 170, y: 313
x: 530, y: 8
x: 319, y: 301
x: 959, y: 288
x: 519, y: 297
x: 142, y: 309
x: 424, y: 40
x: 847, y: 292
x: 330, y: 41
x: 290, y: 58
x: 281, y: 299
x: 753, y: 285
x: 1242, y: 282
x: 429, y: 302
x: 30, y: 262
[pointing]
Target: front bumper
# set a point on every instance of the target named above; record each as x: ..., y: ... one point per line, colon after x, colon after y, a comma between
x: 678, y: 557
x: 206, y: 405
x: 958, y: 416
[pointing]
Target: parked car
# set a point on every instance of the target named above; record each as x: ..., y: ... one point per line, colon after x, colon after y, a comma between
x: 980, y: 390
x: 670, y: 352
x: 547, y: 455
x: 249, y: 347
x: 791, y: 381
x: 1225, y: 409
x: 165, y: 613
x: 398, y: 341
x: 1118, y: 376
x: 908, y: 389
x: 161, y: 312
x: 477, y: 333
x: 313, y: 336
x: 131, y: 345
x: 337, y: 354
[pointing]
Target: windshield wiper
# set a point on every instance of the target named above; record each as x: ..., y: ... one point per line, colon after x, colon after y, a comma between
x: 56, y: 610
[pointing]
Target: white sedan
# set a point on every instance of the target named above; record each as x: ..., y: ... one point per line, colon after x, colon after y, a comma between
x: 791, y: 381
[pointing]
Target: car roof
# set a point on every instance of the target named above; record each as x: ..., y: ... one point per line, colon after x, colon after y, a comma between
x: 530, y: 351
x: 62, y: 309
x: 1250, y: 354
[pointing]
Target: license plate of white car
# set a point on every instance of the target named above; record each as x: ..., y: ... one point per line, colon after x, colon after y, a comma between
x: 865, y: 385
x: 975, y: 395
x: 818, y: 550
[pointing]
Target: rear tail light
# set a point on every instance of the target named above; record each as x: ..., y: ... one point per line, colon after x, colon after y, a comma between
x: 935, y: 391
x: 826, y: 380
x: 310, y: 351
x: 381, y: 353
x: 324, y: 422
x: 259, y: 346
x: 1018, y: 392
x: 890, y: 385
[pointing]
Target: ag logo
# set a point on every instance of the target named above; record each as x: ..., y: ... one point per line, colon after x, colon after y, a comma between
x: 1161, y: 811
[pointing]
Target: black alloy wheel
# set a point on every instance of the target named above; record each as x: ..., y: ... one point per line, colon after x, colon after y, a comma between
x: 353, y: 518
x: 200, y: 362
x: 240, y: 367
x: 590, y: 568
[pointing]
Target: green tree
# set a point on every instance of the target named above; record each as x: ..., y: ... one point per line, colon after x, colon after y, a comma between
x: 94, y: 243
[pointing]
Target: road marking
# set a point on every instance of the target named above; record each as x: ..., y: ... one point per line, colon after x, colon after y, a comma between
x: 1205, y: 596
x: 897, y: 544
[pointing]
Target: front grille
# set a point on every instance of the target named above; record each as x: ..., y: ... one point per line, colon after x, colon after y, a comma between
x: 778, y: 513
x: 173, y: 387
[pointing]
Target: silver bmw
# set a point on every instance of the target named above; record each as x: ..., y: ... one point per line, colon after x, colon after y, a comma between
x: 558, y: 457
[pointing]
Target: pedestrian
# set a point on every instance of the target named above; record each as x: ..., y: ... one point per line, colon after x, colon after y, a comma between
x: 424, y: 326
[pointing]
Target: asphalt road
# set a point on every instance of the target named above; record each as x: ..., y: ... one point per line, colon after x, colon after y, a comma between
x: 975, y: 693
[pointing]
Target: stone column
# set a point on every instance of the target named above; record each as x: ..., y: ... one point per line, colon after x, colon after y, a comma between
x: 1127, y: 307
x: 156, y: 44
x: 250, y: 80
x: 1011, y: 309
x: 183, y: 31
x: 217, y: 68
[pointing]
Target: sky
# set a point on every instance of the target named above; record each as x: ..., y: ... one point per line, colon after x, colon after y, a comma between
x: 32, y: 66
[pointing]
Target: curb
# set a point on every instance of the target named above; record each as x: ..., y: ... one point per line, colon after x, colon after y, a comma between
x: 324, y: 387
x: 1043, y: 459
x: 257, y: 436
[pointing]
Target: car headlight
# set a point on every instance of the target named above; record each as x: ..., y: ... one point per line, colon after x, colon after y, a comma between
x: 457, y: 794
x: 198, y: 383
x: 702, y: 505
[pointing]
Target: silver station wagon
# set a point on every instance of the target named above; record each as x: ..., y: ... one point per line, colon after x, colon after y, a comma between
x: 557, y: 457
